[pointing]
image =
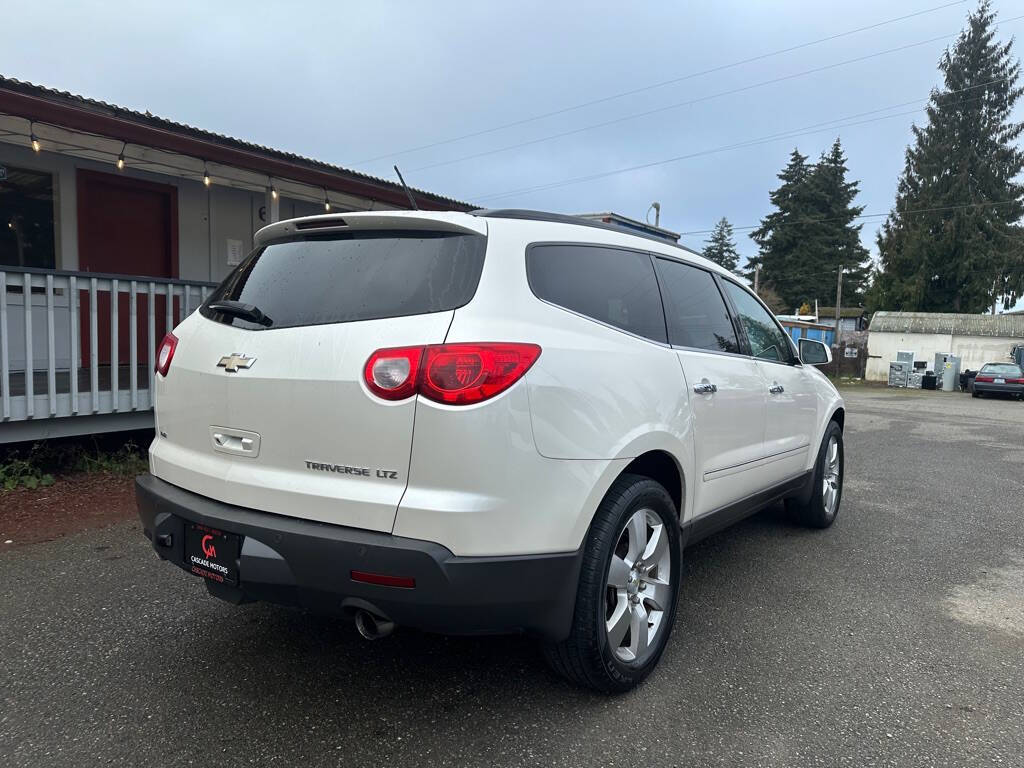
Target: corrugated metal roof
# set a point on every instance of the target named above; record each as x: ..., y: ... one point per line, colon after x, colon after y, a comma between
x: 948, y: 322
x: 169, y: 125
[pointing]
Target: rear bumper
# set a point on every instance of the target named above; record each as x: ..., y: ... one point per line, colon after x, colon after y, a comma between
x: 990, y: 388
x: 308, y: 564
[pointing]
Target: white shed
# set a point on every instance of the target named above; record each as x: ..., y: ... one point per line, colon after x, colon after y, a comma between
x: 976, y: 339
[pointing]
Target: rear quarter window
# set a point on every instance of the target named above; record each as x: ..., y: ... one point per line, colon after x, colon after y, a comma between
x: 611, y: 285
x: 353, y: 276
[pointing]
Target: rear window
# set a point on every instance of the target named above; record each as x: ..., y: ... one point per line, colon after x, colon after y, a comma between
x: 1001, y: 369
x: 611, y: 285
x: 353, y: 276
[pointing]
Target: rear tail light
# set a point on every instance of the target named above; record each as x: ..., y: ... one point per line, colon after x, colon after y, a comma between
x: 460, y: 374
x: 456, y: 374
x: 392, y: 373
x: 984, y: 378
x: 165, y: 353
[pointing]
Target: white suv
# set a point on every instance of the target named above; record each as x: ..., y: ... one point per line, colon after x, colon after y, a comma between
x: 504, y: 421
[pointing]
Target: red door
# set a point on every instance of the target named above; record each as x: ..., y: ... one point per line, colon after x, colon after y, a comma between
x: 125, y: 227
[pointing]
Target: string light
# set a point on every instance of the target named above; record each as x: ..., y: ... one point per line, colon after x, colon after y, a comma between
x: 183, y: 170
x: 120, y: 157
x: 273, y: 189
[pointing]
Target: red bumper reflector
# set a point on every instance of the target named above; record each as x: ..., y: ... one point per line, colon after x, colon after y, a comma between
x: 383, y: 580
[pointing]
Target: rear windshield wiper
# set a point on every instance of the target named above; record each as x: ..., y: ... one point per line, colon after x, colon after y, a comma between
x: 249, y: 312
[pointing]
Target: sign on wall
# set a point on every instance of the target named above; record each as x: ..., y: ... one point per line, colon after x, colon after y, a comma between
x: 234, y: 252
x: 850, y: 352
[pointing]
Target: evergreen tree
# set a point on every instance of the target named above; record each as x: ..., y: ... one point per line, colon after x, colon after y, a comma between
x: 786, y: 255
x: 951, y: 242
x: 836, y: 236
x: 720, y: 247
x: 811, y: 233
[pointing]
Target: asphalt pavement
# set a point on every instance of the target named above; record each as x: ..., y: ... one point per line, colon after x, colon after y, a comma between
x: 896, y: 638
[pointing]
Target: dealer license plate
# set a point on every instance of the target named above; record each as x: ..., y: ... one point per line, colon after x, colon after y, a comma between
x: 212, y: 554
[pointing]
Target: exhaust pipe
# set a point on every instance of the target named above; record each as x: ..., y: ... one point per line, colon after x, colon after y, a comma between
x: 373, y: 627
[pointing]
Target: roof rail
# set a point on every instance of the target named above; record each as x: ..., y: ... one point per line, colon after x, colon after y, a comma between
x: 562, y: 218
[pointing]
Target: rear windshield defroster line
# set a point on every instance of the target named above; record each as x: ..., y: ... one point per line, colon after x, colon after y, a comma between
x: 350, y: 276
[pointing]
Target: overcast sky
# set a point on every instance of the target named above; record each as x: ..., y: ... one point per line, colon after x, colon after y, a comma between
x: 348, y: 82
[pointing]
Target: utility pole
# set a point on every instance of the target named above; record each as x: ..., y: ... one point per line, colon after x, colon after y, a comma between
x: 757, y: 276
x: 839, y: 304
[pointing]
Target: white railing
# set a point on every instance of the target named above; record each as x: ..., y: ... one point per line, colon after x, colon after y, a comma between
x: 67, y: 348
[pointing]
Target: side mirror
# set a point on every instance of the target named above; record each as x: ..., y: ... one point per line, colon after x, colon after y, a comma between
x: 814, y: 352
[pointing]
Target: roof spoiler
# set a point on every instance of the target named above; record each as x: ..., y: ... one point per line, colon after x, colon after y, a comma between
x: 372, y: 220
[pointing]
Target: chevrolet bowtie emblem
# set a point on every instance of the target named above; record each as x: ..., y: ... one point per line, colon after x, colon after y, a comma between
x: 231, y: 363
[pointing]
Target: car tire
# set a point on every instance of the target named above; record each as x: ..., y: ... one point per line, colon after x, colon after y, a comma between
x: 820, y: 507
x: 617, y: 586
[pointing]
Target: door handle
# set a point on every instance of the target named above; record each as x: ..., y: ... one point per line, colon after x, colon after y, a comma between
x: 233, y: 442
x: 237, y: 442
x: 776, y: 389
x: 705, y: 388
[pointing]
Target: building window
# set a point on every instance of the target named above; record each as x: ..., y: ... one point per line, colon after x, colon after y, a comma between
x: 26, y: 218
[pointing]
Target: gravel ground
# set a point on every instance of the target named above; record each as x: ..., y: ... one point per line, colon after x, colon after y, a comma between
x: 74, y: 503
x: 895, y: 638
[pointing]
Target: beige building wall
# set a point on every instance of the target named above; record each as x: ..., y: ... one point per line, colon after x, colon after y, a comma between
x: 974, y: 351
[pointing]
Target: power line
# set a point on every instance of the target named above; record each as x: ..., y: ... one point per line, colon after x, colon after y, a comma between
x: 630, y: 117
x: 788, y: 134
x: 678, y: 105
x: 904, y: 212
x: 662, y: 84
x: 847, y: 270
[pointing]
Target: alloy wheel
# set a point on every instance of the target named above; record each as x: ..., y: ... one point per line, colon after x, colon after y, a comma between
x: 639, y: 586
x: 830, y: 474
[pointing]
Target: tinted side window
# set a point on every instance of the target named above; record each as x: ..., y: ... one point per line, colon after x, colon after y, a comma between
x: 614, y: 286
x: 694, y: 309
x: 767, y: 340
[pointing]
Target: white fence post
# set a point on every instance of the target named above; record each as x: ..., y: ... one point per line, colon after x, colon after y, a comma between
x: 30, y: 394
x: 94, y: 354
x: 133, y: 341
x: 115, y: 367
x: 151, y: 347
x: 51, y: 373
x: 74, y: 322
x: 78, y: 384
x: 5, y: 370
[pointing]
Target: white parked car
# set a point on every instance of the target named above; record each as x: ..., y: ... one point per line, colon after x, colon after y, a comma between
x: 504, y: 421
